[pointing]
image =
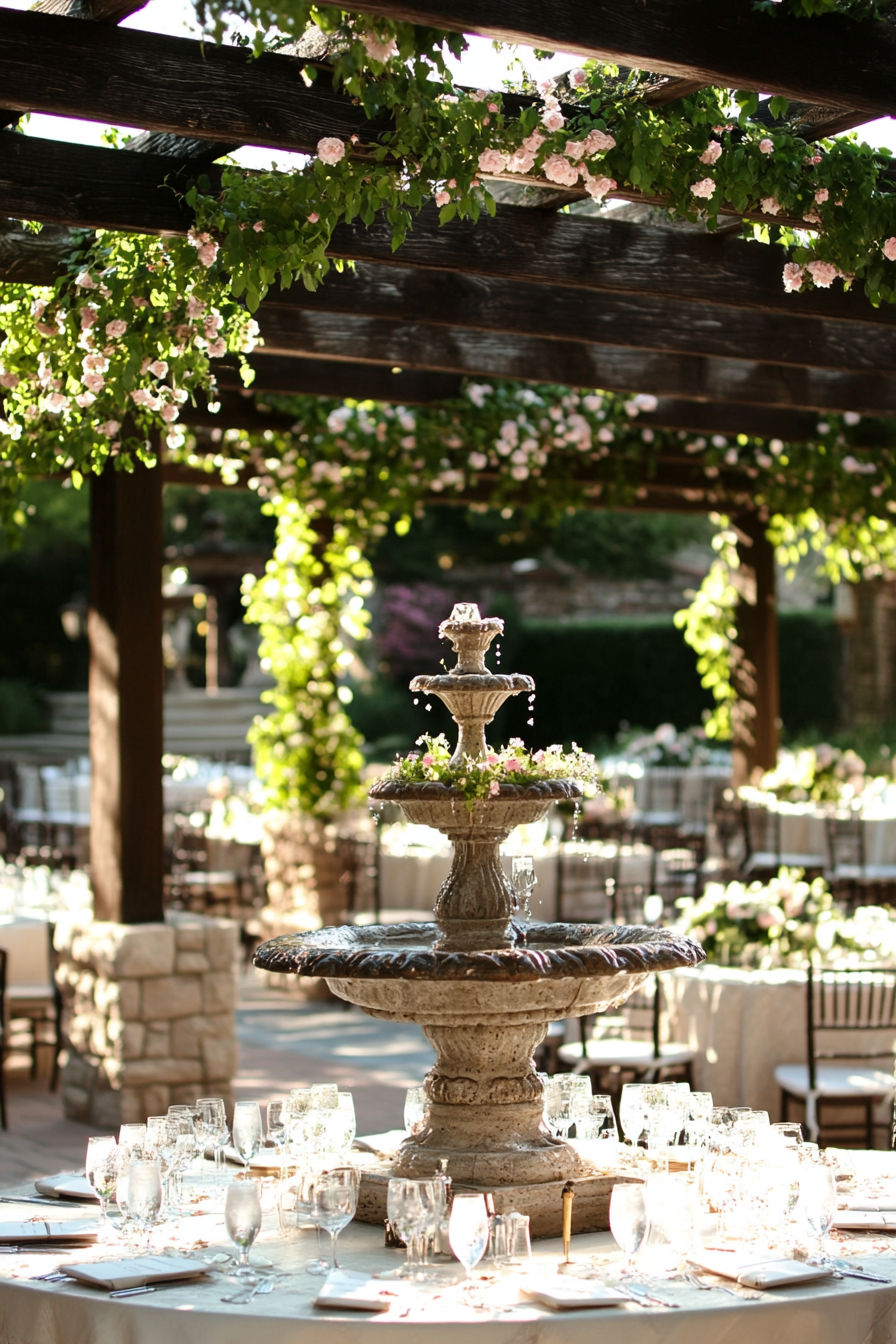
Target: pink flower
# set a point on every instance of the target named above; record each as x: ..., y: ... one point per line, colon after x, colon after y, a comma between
x: 491, y: 759
x: 427, y: 759
x: 767, y: 146
x: 494, y: 789
x: 597, y: 187
x: 85, y: 399
x: 793, y: 277
x: 379, y: 48
x: 330, y: 149
x: 598, y: 141
x: 85, y: 280
x: 577, y: 78
x: 558, y: 169
x: 88, y: 316
x: 159, y: 367
x: 195, y: 307
x: 117, y: 327
x: 769, y: 205
x: 258, y: 226
x: 94, y: 382
x: 704, y: 188
x: 138, y: 302
x: 217, y: 348
x: 57, y: 402
x: 823, y: 273
x: 711, y: 153
x: 207, y: 253
x: 492, y: 161
x: 822, y: 195
x: 110, y: 428
x: 169, y: 413
x: 313, y: 217
x: 442, y: 198
x: 890, y: 249
x: 574, y: 149
x: 9, y: 380
x: 553, y: 119
x: 513, y: 766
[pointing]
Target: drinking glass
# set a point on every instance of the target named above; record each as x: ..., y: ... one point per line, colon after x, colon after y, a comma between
x: 247, y: 1130
x: 101, y: 1170
x: 324, y: 1099
x: 628, y: 1222
x: 304, y: 1204
x: 144, y: 1196
x: 161, y: 1142
x: 522, y: 876
x: 670, y: 1201
x: 414, y: 1109
x: 408, y: 1216
x: 334, y: 1202
x: 242, y: 1218
x: 277, y: 1117
x: 213, y: 1122
x: 341, y: 1126
x: 597, y: 1137
x: 818, y: 1202
x: 298, y: 1109
x: 468, y: 1233
x: 699, y: 1114
x: 632, y: 1111
x: 788, y: 1132
x: 133, y: 1138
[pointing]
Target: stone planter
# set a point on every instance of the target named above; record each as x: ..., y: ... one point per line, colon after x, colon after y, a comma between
x: 149, y: 1015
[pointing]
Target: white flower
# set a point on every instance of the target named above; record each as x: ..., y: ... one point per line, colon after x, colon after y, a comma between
x: 704, y: 188
x: 330, y: 149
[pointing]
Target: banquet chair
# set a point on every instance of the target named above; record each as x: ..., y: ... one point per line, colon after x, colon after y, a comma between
x: 763, y: 855
x: 854, y: 1000
x: 34, y: 1014
x: 851, y: 878
x: 581, y: 889
x: 3, y: 1124
x: 626, y: 1044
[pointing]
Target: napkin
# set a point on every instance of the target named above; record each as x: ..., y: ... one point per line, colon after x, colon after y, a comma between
x: 757, y: 1272
x: 67, y: 1185
x: 41, y: 1233
x: 884, y: 1205
x: 266, y: 1160
x: 355, y: 1292
x: 864, y: 1220
x: 134, y: 1273
x: 573, y: 1295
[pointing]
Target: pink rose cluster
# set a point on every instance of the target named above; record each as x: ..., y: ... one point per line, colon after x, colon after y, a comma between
x: 330, y: 149
x: 379, y: 48
x: 793, y: 277
x: 711, y: 153
x: 206, y: 247
x: 889, y: 249
x: 523, y: 159
x: 704, y: 188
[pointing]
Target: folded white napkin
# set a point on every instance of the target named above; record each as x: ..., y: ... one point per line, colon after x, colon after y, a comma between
x: 883, y: 1205
x: 865, y: 1220
x: 136, y: 1272
x: 346, y: 1289
x: 265, y: 1160
x: 67, y: 1185
x: 42, y: 1233
x: 572, y: 1295
x: 754, y: 1271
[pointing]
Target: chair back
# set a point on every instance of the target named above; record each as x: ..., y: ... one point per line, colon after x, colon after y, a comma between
x: 853, y: 999
x: 762, y: 830
x: 846, y: 842
x: 3, y: 960
x: 639, y: 1018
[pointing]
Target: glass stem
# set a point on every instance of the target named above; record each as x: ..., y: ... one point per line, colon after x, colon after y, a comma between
x: 333, y: 1236
x: 244, y: 1257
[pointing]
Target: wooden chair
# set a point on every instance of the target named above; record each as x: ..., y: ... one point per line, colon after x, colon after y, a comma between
x: 627, y: 1044
x: 852, y: 879
x: 843, y: 1001
x: 763, y: 854
x: 3, y: 1123
x: 33, y: 1014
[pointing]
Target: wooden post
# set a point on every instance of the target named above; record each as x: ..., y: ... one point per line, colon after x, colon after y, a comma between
x: 756, y: 675
x: 126, y: 689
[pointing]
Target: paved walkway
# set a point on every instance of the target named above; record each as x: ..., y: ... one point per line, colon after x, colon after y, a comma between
x: 284, y: 1043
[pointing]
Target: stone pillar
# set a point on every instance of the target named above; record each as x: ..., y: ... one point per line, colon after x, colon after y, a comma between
x: 149, y: 1015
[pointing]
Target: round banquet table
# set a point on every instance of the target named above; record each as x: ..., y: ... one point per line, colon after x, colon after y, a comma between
x: 742, y: 1025
x: 847, y: 1311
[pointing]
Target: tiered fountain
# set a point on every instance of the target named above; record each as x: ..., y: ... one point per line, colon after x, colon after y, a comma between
x: 483, y: 985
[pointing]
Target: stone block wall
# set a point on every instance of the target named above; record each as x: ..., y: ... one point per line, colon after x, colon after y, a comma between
x: 149, y: 1015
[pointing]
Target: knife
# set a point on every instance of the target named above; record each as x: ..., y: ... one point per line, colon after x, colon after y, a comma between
x: 28, y: 1199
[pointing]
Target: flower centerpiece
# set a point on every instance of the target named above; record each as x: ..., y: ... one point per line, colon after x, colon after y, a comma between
x: 820, y: 774
x: 512, y: 765
x: 667, y: 746
x: 785, y: 922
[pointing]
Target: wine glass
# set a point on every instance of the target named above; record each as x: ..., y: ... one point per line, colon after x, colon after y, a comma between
x: 242, y: 1218
x: 101, y: 1170
x: 277, y: 1117
x: 341, y: 1127
x: 594, y: 1120
x: 522, y: 876
x: 133, y: 1138
x: 247, y: 1130
x: 697, y: 1124
x: 628, y: 1222
x: 213, y: 1122
x: 144, y: 1196
x: 632, y: 1112
x: 334, y: 1202
x: 414, y: 1209
x: 468, y: 1233
x: 818, y: 1202
x: 414, y: 1109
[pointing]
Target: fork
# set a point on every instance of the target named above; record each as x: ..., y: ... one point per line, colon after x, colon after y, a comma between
x: 745, y: 1294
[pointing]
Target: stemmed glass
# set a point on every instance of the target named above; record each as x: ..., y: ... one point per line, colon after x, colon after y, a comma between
x: 414, y: 1109
x: 161, y: 1142
x: 632, y: 1111
x: 415, y: 1210
x: 699, y: 1113
x: 334, y: 1202
x: 594, y: 1120
x: 144, y: 1196
x: 628, y: 1222
x: 247, y: 1130
x: 341, y: 1126
x: 522, y: 875
x: 468, y: 1233
x: 213, y: 1125
x: 101, y: 1170
x: 242, y: 1218
x: 818, y: 1202
x: 277, y: 1132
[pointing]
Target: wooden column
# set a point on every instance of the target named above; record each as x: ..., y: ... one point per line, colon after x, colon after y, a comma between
x: 755, y: 665
x: 126, y: 689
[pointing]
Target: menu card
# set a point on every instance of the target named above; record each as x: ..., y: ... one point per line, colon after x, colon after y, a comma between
x: 573, y: 1295
x: 346, y: 1289
x: 38, y: 1232
x: 759, y: 1272
x: 135, y: 1273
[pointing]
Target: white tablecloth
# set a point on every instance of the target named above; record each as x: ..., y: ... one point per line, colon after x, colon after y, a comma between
x: 742, y: 1024
x: 837, y: 1312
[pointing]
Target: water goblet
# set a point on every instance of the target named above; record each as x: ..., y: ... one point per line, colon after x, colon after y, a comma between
x: 818, y: 1202
x: 247, y: 1130
x: 699, y: 1114
x: 628, y: 1222
x: 277, y: 1116
x: 787, y: 1132
x: 213, y: 1121
x: 334, y: 1202
x: 341, y: 1126
x: 415, y: 1106
x: 407, y: 1216
x: 144, y: 1197
x: 133, y: 1138
x: 523, y: 879
x: 242, y: 1218
x: 101, y: 1170
x: 468, y: 1234
x: 304, y: 1183
x: 632, y: 1111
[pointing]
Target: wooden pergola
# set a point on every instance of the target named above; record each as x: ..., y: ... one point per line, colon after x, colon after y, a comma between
x: 700, y: 321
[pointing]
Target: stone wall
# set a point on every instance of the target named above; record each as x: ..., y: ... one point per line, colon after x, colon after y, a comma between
x: 149, y: 1015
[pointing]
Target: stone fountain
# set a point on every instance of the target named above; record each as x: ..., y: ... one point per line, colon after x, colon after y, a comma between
x: 483, y: 983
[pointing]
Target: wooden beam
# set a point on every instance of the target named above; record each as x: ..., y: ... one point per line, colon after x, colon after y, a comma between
x: 337, y: 378
x: 485, y: 354
x: 77, y: 185
x: 699, y: 417
x: 158, y: 83
x: 644, y: 322
x: 755, y: 665
x: 831, y: 60
x: 125, y: 629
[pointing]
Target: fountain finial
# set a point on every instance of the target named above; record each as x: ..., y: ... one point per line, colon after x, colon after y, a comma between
x: 470, y: 637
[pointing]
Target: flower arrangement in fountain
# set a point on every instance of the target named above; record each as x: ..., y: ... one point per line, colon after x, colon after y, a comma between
x: 785, y: 922
x: 512, y: 765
